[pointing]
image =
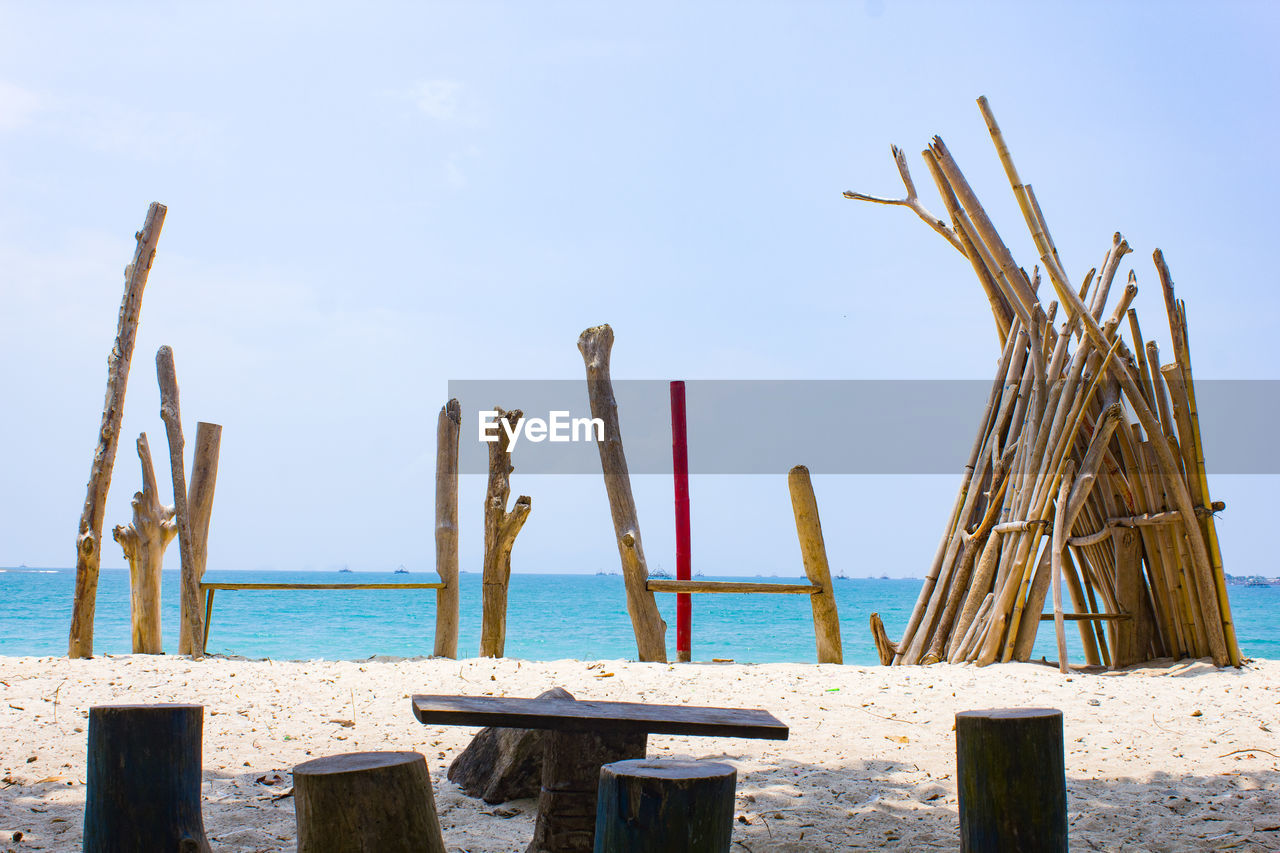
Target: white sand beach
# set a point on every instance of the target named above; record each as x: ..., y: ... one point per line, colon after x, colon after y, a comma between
x: 1174, y: 757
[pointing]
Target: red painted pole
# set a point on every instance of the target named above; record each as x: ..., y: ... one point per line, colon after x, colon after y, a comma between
x: 684, y: 559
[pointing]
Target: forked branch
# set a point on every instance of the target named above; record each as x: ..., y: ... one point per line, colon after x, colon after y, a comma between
x: 912, y: 201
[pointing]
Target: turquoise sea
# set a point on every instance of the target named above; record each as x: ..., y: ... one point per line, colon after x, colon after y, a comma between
x: 550, y: 617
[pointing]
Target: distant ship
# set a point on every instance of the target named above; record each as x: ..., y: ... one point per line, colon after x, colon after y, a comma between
x: 402, y: 571
x: 1257, y: 582
x: 660, y: 575
x: 344, y: 569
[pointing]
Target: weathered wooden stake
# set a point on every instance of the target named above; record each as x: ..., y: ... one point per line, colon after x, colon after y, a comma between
x: 366, y: 801
x: 89, y: 540
x: 657, y: 806
x: 204, y: 479
x: 571, y: 764
x: 143, y: 782
x: 500, y: 530
x: 826, y: 621
x: 595, y: 345
x: 171, y: 414
x: 1012, y: 780
x: 144, y: 541
x: 448, y: 427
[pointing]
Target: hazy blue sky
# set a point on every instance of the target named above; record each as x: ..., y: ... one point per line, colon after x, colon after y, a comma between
x: 364, y: 204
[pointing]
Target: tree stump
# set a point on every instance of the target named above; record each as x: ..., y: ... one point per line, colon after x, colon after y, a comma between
x: 144, y: 541
x: 651, y: 806
x: 570, y: 778
x: 366, y: 802
x: 143, y: 782
x: 502, y: 764
x: 1011, y: 773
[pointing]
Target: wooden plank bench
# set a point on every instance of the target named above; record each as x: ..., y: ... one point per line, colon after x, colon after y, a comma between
x: 570, y: 766
x: 208, y: 589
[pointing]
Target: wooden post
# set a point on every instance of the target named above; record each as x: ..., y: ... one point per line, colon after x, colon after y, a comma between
x: 886, y: 649
x: 500, y: 530
x: 684, y: 554
x: 143, y: 781
x: 171, y: 414
x: 652, y: 806
x: 89, y: 540
x: 1012, y: 780
x: 204, y: 479
x: 448, y: 426
x: 826, y: 621
x: 1133, y: 636
x: 571, y: 764
x: 144, y: 541
x: 595, y: 345
x: 366, y: 801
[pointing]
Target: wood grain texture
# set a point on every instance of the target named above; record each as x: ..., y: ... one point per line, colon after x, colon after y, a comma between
x: 89, y: 538
x: 204, y: 480
x: 813, y: 551
x: 584, y: 715
x: 663, y: 585
x: 171, y: 414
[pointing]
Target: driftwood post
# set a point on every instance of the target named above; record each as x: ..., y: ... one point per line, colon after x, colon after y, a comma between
x: 826, y: 621
x: 448, y: 426
x: 171, y: 414
x: 144, y: 541
x: 204, y: 478
x: 89, y: 540
x: 595, y: 345
x: 500, y: 530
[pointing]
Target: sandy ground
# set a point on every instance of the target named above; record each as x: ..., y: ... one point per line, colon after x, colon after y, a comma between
x: 1180, y: 757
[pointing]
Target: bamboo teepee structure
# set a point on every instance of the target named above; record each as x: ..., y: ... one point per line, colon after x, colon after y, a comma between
x: 1087, y: 470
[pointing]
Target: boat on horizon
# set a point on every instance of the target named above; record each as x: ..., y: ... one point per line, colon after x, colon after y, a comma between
x: 401, y: 571
x: 344, y: 570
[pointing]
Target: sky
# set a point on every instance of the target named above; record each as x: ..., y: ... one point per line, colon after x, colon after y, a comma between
x: 366, y: 204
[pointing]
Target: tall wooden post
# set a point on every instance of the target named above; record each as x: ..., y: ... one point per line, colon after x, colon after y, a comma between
x: 595, y: 345
x: 204, y: 479
x: 171, y: 414
x: 144, y: 540
x: 500, y: 530
x: 448, y: 427
x: 1012, y: 780
x: 89, y: 540
x: 826, y: 621
x: 684, y: 558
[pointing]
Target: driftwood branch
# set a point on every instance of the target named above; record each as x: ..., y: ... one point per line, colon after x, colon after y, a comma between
x: 500, y: 529
x: 826, y: 620
x: 595, y: 344
x: 912, y: 201
x: 171, y: 414
x: 89, y: 539
x: 448, y: 427
x: 143, y: 541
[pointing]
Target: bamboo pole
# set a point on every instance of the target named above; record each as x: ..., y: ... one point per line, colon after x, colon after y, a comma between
x: 1061, y: 525
x: 144, y: 540
x: 826, y: 621
x: 171, y: 414
x: 501, y: 526
x: 89, y: 539
x: 448, y: 428
x: 204, y: 480
x: 595, y: 344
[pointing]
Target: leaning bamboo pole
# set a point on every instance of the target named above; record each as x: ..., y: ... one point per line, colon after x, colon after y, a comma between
x: 89, y: 539
x: 1056, y: 467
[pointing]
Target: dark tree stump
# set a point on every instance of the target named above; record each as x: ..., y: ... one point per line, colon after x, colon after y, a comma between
x: 570, y: 777
x: 143, y: 782
x: 667, y: 806
x: 502, y: 764
x: 366, y: 802
x: 1011, y: 772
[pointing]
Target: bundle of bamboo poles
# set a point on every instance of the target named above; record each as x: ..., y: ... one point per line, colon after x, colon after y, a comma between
x: 1087, y: 470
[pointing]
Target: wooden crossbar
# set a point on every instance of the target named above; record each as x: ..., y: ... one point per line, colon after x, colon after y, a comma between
x: 208, y: 589
x: 732, y: 586
x: 1088, y: 617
